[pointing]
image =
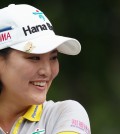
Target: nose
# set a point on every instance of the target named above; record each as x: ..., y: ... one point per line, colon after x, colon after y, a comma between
x: 44, y: 69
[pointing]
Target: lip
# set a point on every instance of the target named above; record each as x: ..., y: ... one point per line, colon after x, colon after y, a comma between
x: 38, y: 87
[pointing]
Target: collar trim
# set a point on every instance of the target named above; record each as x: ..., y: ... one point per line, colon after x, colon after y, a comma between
x: 34, y: 113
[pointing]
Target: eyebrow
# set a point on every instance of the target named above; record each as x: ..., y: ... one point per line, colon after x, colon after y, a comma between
x: 54, y: 51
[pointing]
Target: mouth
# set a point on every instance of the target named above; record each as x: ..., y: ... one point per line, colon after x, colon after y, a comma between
x: 39, y: 84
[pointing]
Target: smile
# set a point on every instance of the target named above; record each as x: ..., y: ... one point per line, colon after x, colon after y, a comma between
x: 40, y: 84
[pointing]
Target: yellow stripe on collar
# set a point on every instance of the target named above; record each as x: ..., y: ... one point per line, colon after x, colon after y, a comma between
x: 33, y: 113
x: 17, y: 125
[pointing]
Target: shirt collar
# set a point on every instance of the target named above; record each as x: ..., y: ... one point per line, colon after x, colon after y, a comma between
x: 34, y: 113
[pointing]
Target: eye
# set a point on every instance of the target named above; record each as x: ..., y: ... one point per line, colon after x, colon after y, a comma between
x: 54, y: 57
x: 34, y: 58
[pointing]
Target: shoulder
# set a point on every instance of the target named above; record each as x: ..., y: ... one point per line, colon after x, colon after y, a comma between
x: 67, y: 108
x: 70, y: 113
x: 62, y: 103
x: 72, y: 105
x: 67, y: 105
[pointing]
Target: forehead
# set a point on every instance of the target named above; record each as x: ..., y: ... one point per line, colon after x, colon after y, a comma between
x: 17, y: 52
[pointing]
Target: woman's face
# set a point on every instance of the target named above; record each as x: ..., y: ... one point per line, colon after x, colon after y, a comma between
x: 26, y: 77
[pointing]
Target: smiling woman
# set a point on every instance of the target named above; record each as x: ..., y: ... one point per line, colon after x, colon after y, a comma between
x: 28, y: 65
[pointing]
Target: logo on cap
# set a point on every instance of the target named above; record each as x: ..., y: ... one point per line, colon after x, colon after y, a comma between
x: 40, y: 14
x: 5, y: 35
x: 5, y: 29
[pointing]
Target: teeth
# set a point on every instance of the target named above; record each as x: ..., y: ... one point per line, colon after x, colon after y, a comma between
x: 39, y: 83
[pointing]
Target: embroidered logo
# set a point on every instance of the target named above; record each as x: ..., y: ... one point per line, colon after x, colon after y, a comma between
x: 40, y: 14
x: 5, y: 29
x: 37, y: 28
x: 39, y: 131
x: 80, y: 125
x: 5, y: 37
x: 5, y: 34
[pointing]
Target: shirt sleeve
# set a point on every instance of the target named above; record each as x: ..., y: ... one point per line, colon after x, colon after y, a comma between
x: 70, y: 116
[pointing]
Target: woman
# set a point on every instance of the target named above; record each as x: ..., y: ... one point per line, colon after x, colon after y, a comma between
x: 28, y: 65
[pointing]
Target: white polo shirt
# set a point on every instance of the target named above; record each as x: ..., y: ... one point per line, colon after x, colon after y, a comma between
x: 53, y: 118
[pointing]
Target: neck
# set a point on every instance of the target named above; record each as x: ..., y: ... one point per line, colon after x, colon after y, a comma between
x: 11, y: 108
x: 9, y: 113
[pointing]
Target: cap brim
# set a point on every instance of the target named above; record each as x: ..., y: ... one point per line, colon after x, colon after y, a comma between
x: 45, y: 44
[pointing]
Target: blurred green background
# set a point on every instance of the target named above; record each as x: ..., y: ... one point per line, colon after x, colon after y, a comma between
x: 92, y: 77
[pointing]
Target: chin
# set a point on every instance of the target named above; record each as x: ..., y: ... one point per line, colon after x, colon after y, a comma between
x: 40, y: 101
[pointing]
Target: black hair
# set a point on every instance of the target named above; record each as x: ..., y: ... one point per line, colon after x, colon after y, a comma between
x: 4, y: 53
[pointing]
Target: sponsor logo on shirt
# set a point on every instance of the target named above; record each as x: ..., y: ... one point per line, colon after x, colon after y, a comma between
x: 80, y: 125
x: 38, y: 131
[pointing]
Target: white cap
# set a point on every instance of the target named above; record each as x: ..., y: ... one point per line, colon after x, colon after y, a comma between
x: 25, y: 28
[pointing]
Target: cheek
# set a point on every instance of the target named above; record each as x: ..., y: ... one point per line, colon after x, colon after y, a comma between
x: 18, y: 73
x: 55, y: 70
x: 23, y: 72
